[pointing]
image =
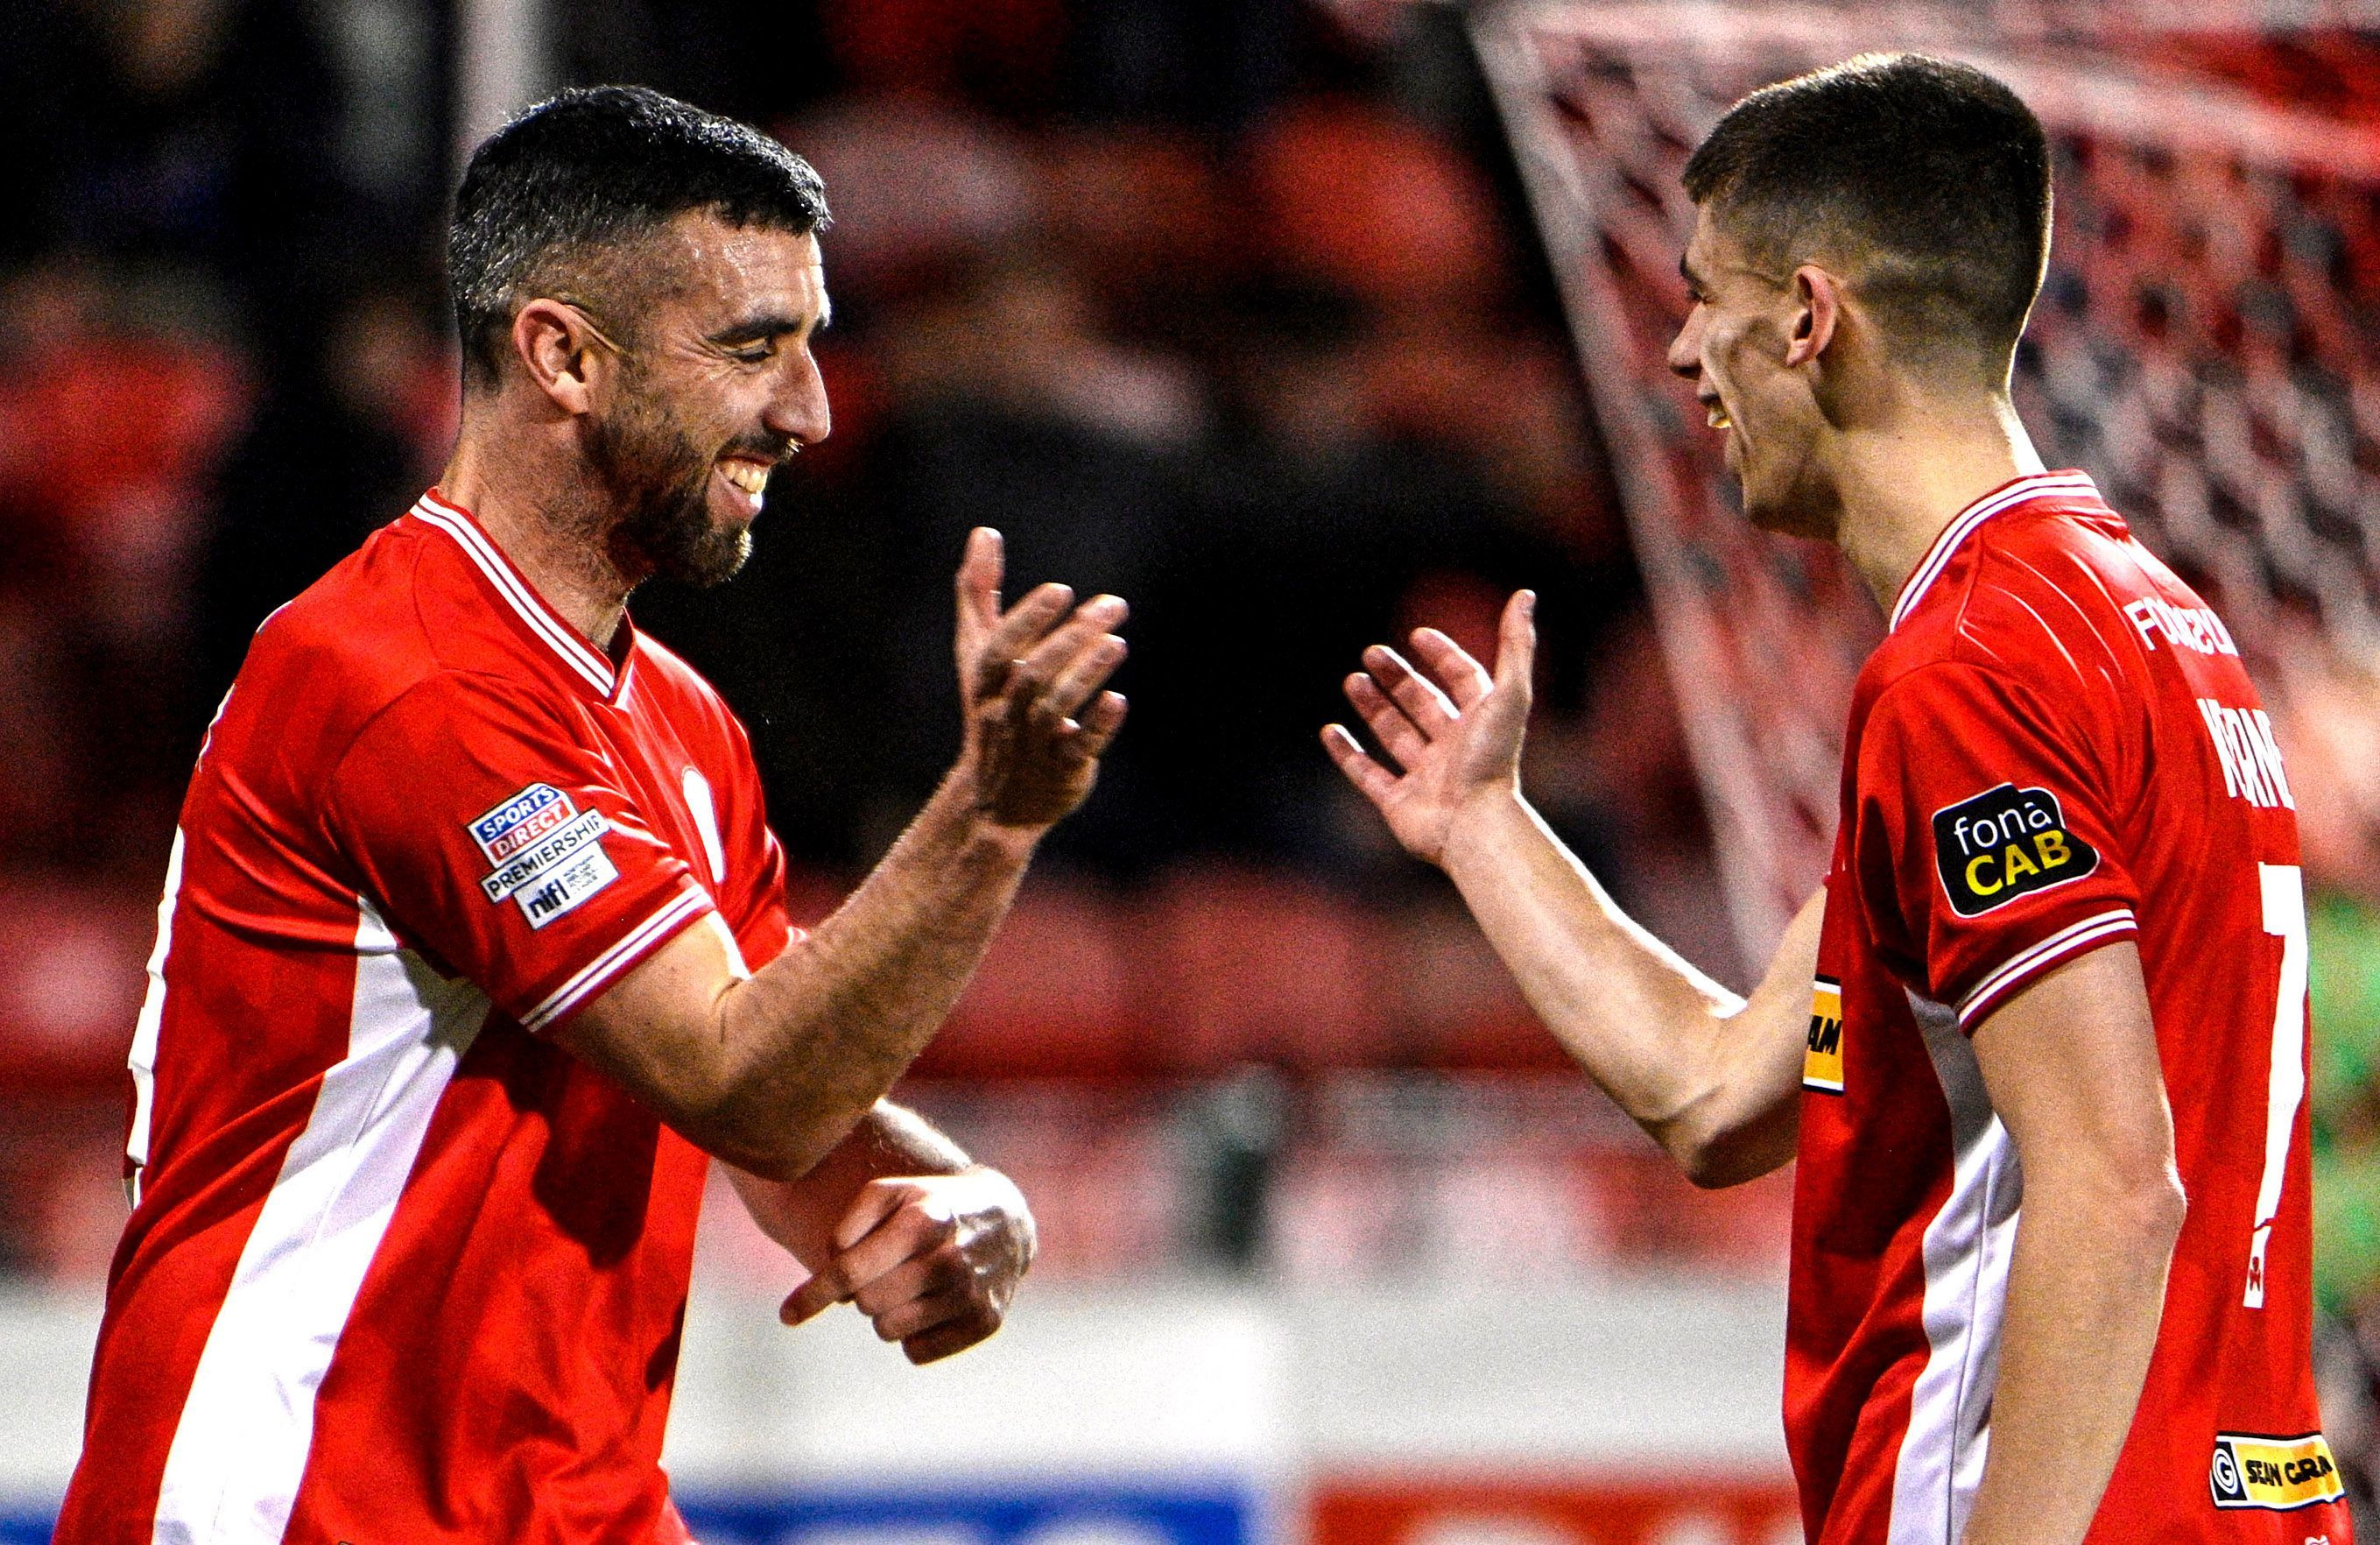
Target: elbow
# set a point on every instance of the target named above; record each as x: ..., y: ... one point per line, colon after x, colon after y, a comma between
x: 1713, y: 1158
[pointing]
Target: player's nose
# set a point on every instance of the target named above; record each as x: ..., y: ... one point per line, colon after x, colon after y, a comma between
x: 1687, y: 349
x: 798, y: 409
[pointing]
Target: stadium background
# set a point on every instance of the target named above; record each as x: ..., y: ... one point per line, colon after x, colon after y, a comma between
x: 1241, y: 309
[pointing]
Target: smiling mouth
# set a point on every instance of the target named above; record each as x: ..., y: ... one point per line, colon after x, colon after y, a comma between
x: 1718, y: 417
x: 752, y: 477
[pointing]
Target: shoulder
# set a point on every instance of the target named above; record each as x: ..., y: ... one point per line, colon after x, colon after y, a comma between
x: 683, y: 694
x: 2038, y: 597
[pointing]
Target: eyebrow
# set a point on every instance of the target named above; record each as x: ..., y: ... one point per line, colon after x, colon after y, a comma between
x: 770, y: 324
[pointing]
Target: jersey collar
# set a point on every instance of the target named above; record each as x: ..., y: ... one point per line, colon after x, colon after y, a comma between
x: 582, y: 659
x: 2033, y: 485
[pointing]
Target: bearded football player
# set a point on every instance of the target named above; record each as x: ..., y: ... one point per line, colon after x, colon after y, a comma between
x: 474, y: 951
x: 2039, y: 1042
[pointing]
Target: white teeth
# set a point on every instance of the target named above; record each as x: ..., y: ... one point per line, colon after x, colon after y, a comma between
x: 751, y: 477
x: 1718, y: 419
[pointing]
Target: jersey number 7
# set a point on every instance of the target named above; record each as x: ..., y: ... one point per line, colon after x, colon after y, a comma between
x: 2284, y: 915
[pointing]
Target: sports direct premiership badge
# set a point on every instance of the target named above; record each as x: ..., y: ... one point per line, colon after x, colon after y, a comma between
x: 548, y: 854
x: 2276, y: 1473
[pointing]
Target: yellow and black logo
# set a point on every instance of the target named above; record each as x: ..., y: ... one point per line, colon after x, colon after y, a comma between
x: 2005, y: 843
x: 2276, y: 1473
x: 1822, y: 1061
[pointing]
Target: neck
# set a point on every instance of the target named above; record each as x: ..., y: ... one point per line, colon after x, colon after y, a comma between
x: 1901, y: 484
x: 538, y: 516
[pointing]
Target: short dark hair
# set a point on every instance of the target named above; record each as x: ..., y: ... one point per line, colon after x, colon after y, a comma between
x: 1929, y: 178
x: 597, y: 169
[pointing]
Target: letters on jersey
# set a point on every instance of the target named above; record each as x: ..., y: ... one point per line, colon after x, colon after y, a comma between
x: 2005, y: 843
x: 2276, y: 1473
x: 548, y: 854
x: 1821, y: 1058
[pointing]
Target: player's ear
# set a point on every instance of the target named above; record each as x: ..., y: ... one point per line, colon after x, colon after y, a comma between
x: 557, y: 347
x: 1817, y: 306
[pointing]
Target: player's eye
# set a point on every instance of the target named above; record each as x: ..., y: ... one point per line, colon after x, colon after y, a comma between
x: 753, y: 354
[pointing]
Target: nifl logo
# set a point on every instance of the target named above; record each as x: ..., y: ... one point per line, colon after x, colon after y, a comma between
x: 2005, y: 843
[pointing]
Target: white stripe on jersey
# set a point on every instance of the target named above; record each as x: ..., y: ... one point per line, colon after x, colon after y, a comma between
x: 1929, y: 568
x: 1966, y: 1253
x: 598, y: 973
x: 574, y: 652
x: 239, y: 1449
x: 2029, y: 963
x: 143, y: 1058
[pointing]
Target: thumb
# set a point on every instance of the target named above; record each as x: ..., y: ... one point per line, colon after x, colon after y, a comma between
x: 822, y: 1291
x: 1516, y: 643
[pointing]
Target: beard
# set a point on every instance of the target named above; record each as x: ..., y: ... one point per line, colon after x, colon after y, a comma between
x: 659, y: 481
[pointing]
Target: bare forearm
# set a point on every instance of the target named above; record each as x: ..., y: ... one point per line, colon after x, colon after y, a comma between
x: 2086, y: 1286
x: 1650, y: 1028
x: 819, y: 1035
x: 801, y: 1214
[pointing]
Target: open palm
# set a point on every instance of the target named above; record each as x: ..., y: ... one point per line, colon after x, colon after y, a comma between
x: 1454, y: 729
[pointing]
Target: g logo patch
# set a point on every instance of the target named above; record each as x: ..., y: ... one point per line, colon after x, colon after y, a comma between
x: 2005, y: 843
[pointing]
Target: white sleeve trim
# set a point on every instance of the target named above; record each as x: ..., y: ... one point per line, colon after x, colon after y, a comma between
x: 599, y: 972
x: 2025, y: 964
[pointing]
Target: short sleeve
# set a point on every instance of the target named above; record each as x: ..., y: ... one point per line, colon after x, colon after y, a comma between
x: 1984, y: 844
x: 499, y: 841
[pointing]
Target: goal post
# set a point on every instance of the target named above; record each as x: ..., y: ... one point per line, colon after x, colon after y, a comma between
x: 2205, y: 347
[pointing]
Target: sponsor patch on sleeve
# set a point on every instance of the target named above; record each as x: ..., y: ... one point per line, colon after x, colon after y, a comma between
x: 548, y: 854
x: 2276, y: 1473
x: 2005, y: 843
x: 1822, y: 1059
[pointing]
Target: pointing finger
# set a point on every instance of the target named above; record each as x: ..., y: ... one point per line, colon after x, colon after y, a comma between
x: 1397, y: 735
x: 1452, y: 666
x: 1427, y: 706
x: 1374, y: 782
x: 823, y: 1291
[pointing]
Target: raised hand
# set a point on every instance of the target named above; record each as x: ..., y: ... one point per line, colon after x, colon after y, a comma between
x: 1031, y: 682
x: 933, y: 1260
x: 1453, y: 729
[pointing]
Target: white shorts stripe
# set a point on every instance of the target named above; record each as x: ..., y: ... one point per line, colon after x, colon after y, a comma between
x: 239, y: 1448
x: 599, y: 972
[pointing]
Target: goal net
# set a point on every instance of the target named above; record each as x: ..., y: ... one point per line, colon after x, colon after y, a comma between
x: 2205, y: 347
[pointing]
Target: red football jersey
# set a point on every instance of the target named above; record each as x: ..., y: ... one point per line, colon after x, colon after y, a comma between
x: 399, y: 1267
x: 2055, y: 747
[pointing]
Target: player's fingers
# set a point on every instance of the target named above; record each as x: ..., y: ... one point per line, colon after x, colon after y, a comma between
x: 1100, y: 722
x: 1416, y: 694
x: 1038, y: 668
x: 822, y: 1291
x: 1516, y: 642
x: 1387, y: 722
x: 1079, y: 678
x: 1452, y: 666
x: 1023, y: 625
x: 978, y: 581
x: 912, y: 1232
x: 1369, y: 777
x: 952, y: 1335
x: 876, y: 1202
x: 918, y: 1277
x: 904, y: 1320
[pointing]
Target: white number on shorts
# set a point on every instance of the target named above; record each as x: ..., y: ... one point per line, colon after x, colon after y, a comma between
x: 2284, y: 915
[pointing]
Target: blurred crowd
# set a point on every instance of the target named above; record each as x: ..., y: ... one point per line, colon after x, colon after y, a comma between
x: 1233, y: 310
